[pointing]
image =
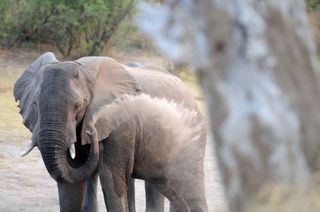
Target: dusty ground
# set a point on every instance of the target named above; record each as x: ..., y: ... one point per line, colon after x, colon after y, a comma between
x: 25, y: 184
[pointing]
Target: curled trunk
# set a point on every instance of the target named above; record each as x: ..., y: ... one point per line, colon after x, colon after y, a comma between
x: 53, y: 148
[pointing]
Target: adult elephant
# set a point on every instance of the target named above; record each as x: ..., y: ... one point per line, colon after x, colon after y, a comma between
x: 57, y: 99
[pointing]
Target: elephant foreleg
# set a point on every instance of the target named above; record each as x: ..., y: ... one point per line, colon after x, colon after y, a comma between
x: 70, y: 196
x: 114, y: 175
x: 185, y: 193
x: 115, y: 200
x: 90, y: 203
x: 154, y: 199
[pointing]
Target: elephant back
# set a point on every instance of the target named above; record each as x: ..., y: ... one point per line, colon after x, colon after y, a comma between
x: 161, y: 84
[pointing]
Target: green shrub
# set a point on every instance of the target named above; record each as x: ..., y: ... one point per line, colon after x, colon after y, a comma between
x: 76, y: 28
x: 313, y: 4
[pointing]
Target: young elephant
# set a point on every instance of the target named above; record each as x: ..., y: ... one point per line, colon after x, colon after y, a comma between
x: 155, y: 140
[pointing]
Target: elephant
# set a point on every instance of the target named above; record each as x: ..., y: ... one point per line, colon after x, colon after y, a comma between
x: 155, y: 140
x: 58, y: 99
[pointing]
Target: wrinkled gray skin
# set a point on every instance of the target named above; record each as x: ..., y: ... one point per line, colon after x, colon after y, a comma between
x: 155, y: 140
x: 57, y: 100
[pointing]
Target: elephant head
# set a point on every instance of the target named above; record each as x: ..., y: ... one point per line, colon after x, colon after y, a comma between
x: 57, y: 101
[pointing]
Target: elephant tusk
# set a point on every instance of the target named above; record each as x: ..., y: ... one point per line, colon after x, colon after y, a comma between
x: 28, y: 150
x: 89, y: 132
x: 72, y: 151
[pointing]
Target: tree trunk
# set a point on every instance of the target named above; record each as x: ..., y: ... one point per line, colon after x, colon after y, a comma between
x: 257, y: 66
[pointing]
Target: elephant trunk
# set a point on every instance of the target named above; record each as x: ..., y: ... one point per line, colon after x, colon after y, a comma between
x: 53, y: 148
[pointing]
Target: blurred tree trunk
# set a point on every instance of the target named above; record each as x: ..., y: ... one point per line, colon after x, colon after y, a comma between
x: 257, y: 66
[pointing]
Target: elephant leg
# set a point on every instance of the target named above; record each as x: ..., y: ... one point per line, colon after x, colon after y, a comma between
x: 131, y: 196
x: 154, y: 199
x: 70, y: 196
x: 114, y: 174
x: 90, y: 203
x: 189, y: 200
x: 177, y: 202
x: 115, y: 200
x: 115, y: 169
x: 191, y: 189
x: 185, y: 194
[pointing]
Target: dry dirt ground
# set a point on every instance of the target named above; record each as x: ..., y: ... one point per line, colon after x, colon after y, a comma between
x: 25, y: 184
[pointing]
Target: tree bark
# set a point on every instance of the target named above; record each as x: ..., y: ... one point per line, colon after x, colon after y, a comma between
x: 257, y: 66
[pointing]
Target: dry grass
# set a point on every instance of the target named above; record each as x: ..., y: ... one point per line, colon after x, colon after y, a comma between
x: 11, y: 127
x: 289, y: 197
x: 10, y: 120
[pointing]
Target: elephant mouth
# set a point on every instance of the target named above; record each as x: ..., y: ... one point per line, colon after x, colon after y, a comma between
x: 81, y: 151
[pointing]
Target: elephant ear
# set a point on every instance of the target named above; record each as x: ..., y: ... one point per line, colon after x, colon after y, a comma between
x: 107, y: 119
x: 109, y: 81
x: 26, y: 87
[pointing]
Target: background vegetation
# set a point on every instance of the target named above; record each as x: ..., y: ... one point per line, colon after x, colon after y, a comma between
x: 83, y: 27
x: 314, y: 17
x: 75, y: 28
